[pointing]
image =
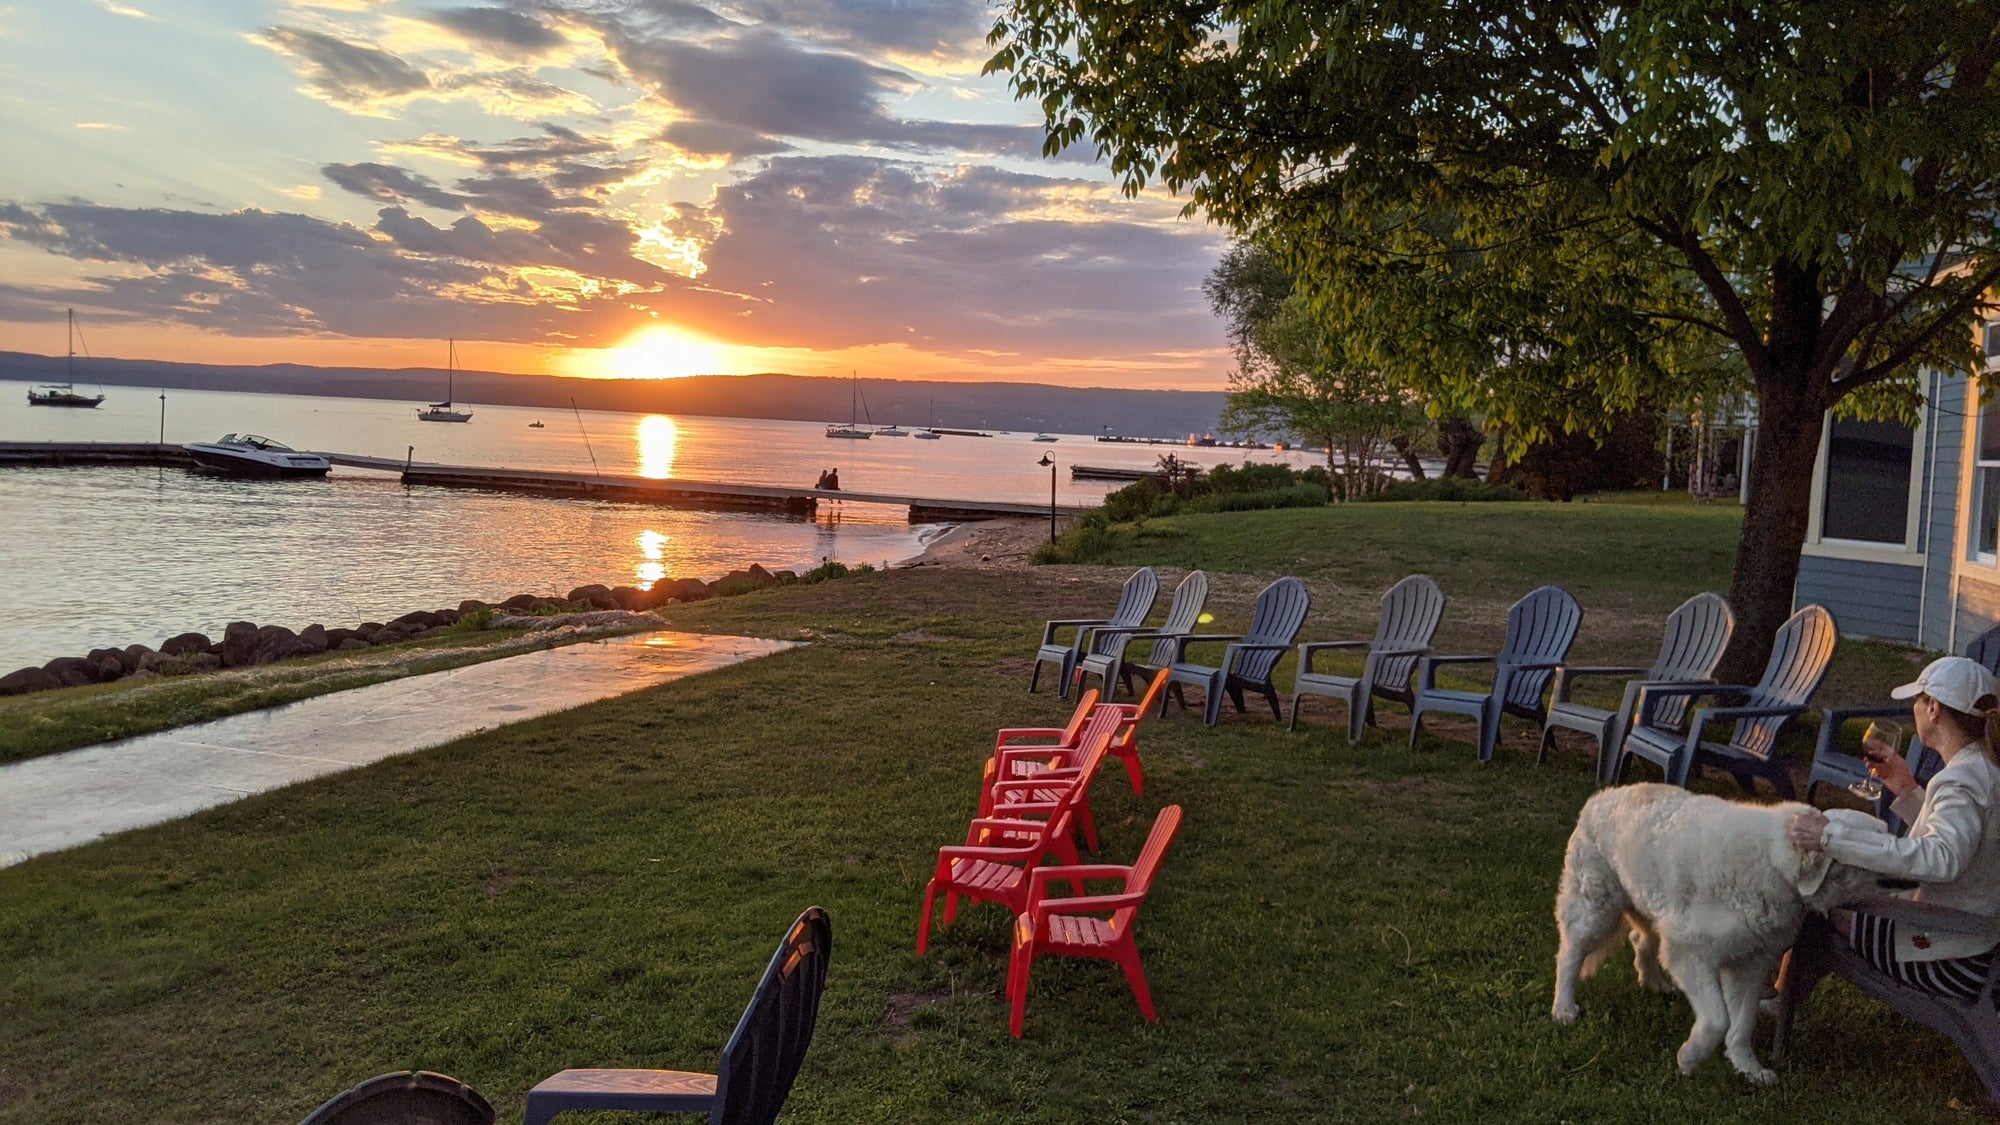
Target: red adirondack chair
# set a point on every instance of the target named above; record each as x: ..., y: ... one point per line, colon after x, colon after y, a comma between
x: 993, y: 863
x: 1011, y: 762
x: 1064, y: 926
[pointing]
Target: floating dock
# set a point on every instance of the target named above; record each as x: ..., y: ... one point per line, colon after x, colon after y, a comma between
x: 1097, y: 472
x: 710, y: 495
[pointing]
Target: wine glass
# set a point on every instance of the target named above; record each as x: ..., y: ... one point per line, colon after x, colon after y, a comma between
x: 1890, y: 735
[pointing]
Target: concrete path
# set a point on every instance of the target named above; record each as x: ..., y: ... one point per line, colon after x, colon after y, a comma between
x: 62, y: 800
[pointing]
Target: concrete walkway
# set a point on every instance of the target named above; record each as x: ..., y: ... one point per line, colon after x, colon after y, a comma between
x: 62, y: 800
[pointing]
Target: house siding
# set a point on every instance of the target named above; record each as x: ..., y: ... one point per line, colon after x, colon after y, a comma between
x: 1945, y: 417
x: 1875, y: 600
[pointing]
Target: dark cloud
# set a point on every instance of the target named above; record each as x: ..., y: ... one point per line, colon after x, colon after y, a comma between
x: 708, y: 138
x: 390, y: 184
x: 346, y: 73
x: 499, y: 30
x: 941, y: 27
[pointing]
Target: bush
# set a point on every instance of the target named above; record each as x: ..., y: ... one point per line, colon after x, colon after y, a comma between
x: 1445, y: 488
x: 1087, y: 540
x: 1137, y: 501
x: 1251, y: 477
x: 1291, y: 496
x: 828, y: 569
x: 478, y: 621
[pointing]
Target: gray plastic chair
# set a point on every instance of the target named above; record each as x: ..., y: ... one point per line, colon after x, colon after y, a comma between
x: 1799, y: 656
x: 1540, y: 629
x: 1830, y: 766
x: 413, y: 1097
x: 1248, y: 660
x: 1106, y: 658
x: 759, y: 1062
x: 1410, y: 614
x: 1135, y: 601
x: 1696, y: 635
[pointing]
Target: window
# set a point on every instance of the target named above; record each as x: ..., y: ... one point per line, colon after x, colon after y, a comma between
x: 1986, y: 482
x: 1867, y: 494
x: 1993, y: 340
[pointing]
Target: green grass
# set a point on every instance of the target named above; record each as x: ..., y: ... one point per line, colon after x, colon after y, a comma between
x: 1340, y: 934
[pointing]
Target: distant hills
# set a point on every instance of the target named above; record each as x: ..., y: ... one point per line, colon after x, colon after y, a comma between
x: 982, y: 406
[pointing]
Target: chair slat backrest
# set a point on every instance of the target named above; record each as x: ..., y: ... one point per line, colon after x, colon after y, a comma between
x: 1280, y: 613
x: 1411, y: 611
x: 1155, y: 849
x: 763, y: 1055
x: 1189, y: 597
x: 1696, y: 635
x: 1135, y: 601
x: 1799, y: 656
x: 1540, y: 629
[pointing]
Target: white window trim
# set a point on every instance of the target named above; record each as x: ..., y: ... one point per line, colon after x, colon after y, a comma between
x: 1906, y: 553
x: 1969, y: 555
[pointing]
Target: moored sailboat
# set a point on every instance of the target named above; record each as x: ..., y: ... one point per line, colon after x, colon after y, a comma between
x: 65, y: 393
x: 443, y: 411
x: 852, y: 430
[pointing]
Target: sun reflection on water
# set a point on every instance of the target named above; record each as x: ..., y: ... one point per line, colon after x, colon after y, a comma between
x: 652, y: 553
x: 658, y: 439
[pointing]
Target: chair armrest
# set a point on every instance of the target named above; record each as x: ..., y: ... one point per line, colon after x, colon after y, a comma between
x: 1005, y: 760
x: 1922, y: 914
x: 1007, y: 735
x: 1308, y: 648
x: 1039, y: 878
x: 1654, y: 691
x: 1724, y: 714
x: 1185, y: 639
x: 1536, y: 665
x: 1427, y: 668
x: 986, y: 851
x: 1049, y: 630
x: 1084, y: 904
x: 1567, y: 675
x: 1028, y: 785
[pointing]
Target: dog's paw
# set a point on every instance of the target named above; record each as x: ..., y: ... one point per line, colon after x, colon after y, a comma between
x: 1688, y: 1058
x: 1564, y: 1013
x: 1662, y: 984
x: 1759, y: 1075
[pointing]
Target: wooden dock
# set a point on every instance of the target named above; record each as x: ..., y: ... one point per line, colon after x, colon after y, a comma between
x: 709, y: 495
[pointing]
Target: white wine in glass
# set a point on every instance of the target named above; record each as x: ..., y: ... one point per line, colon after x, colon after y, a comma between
x: 1888, y: 734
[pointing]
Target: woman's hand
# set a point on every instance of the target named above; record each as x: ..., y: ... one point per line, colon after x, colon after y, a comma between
x: 1805, y: 830
x: 1888, y: 766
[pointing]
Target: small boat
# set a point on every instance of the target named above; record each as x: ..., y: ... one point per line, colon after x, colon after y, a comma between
x: 64, y: 394
x: 892, y: 430
x: 852, y: 429
x: 442, y: 411
x: 1044, y: 437
x: 251, y: 455
x: 534, y: 425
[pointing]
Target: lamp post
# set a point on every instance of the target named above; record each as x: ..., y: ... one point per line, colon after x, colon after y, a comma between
x: 1049, y: 460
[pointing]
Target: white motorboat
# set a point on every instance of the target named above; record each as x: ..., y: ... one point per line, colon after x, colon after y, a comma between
x: 252, y: 455
x: 1044, y: 437
x: 442, y: 411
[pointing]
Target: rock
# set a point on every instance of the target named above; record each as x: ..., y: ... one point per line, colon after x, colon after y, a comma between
x: 760, y: 574
x: 446, y: 617
x: 631, y: 597
x: 598, y: 596
x: 314, y: 638
x: 186, y: 643
x: 335, y: 636
x: 421, y: 618
x: 683, y: 589
x: 786, y: 577
x: 134, y: 657
x: 24, y: 680
x: 96, y: 657
x: 275, y: 643
x: 350, y: 644
x: 108, y: 667
x: 163, y: 664
x: 521, y: 602
x: 202, y: 661
x: 239, y: 644
x: 471, y: 605
x: 73, y: 671
x: 374, y: 632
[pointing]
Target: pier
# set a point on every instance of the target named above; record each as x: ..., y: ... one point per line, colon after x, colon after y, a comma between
x: 710, y: 495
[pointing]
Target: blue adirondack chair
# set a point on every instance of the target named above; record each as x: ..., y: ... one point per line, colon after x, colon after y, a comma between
x: 1409, y: 618
x: 1540, y: 629
x: 759, y: 1062
x: 1249, y: 658
x: 1106, y: 659
x: 1832, y: 767
x: 1799, y: 656
x: 1696, y: 635
x: 1135, y: 601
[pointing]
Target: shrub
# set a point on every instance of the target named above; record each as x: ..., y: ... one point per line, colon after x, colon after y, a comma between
x: 1251, y: 477
x: 826, y: 569
x: 1446, y: 488
x: 1290, y: 496
x: 478, y: 621
x: 1087, y: 540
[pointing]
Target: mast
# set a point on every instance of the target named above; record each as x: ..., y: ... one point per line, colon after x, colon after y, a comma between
x: 69, y: 363
x: 450, y: 367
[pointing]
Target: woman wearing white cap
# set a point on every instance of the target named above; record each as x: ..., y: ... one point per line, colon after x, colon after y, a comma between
x: 1952, y: 849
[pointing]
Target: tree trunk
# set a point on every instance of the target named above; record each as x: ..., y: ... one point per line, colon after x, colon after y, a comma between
x: 1789, y: 424
x: 1401, y: 444
x: 1459, y: 441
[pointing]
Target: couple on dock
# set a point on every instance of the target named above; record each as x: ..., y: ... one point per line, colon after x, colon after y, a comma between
x: 829, y: 480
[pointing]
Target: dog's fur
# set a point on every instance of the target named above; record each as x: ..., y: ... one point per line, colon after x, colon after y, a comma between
x: 1712, y: 893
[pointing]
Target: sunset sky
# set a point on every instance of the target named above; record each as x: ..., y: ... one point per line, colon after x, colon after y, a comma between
x: 584, y: 187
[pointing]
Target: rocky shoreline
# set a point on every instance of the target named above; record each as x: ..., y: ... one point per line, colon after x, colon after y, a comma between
x: 245, y: 643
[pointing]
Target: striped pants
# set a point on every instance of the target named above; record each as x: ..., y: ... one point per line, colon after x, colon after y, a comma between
x: 1958, y: 977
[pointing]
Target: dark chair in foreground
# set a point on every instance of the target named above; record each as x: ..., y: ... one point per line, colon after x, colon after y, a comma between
x: 1249, y: 658
x: 1696, y: 635
x: 1799, y: 656
x: 1135, y: 601
x: 1106, y: 659
x: 1831, y: 766
x: 1540, y: 629
x: 413, y: 1097
x: 759, y: 1062
x: 1409, y: 618
x: 1819, y: 952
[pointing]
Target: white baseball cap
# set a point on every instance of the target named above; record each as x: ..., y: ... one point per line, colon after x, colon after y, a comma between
x: 1955, y: 681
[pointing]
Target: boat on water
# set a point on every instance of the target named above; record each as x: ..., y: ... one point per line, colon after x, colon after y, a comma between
x: 253, y: 455
x: 1044, y: 437
x: 892, y: 430
x: 443, y: 411
x: 65, y: 393
x: 852, y: 430
x: 534, y: 425
x: 930, y: 433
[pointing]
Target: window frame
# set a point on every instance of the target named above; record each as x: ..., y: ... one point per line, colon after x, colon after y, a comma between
x: 1910, y: 551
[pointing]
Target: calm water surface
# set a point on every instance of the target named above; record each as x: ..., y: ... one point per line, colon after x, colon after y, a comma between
x: 114, y: 556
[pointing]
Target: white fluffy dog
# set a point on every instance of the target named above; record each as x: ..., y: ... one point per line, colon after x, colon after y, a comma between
x: 1709, y: 890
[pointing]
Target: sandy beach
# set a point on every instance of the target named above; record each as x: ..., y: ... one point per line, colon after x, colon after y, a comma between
x: 988, y: 543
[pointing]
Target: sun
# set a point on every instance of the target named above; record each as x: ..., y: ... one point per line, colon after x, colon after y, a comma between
x: 662, y: 353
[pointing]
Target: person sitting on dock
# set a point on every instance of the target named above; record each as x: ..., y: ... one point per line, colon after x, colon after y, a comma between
x: 829, y: 480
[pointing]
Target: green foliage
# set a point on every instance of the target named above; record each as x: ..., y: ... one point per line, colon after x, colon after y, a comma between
x: 1140, y: 500
x: 478, y: 621
x: 1291, y: 496
x: 1090, y: 539
x: 1253, y: 476
x: 829, y: 569
x: 1445, y: 488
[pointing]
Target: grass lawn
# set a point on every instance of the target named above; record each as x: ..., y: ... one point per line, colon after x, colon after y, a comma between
x: 1340, y: 934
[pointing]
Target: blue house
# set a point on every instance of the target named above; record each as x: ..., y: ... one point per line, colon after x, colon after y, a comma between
x: 1904, y: 542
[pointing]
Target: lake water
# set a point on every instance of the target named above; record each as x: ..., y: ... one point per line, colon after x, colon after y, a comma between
x: 116, y: 556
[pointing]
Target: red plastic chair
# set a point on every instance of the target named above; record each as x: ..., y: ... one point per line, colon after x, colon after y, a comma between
x: 1063, y: 926
x: 992, y: 865
x: 1012, y: 762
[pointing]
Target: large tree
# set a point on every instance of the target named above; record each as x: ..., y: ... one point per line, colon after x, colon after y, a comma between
x: 1815, y: 184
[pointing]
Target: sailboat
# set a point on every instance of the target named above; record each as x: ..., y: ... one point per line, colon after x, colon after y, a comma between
x: 442, y: 411
x: 929, y: 433
x: 64, y: 394
x: 852, y: 429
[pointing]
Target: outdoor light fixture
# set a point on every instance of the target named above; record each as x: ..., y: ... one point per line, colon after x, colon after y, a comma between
x: 1049, y: 460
